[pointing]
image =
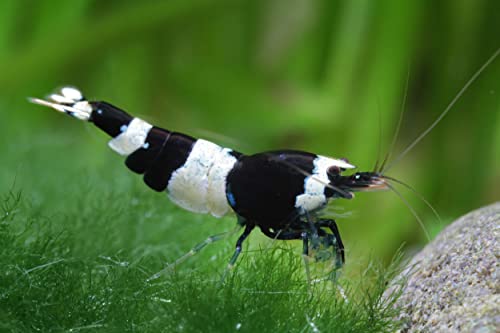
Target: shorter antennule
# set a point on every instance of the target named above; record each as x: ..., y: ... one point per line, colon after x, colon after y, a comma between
x: 68, y: 100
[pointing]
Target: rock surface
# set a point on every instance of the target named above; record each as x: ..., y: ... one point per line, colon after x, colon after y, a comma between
x: 453, y: 283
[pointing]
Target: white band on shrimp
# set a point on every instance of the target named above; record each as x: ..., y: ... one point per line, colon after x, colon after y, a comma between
x: 132, y: 137
x: 314, y: 185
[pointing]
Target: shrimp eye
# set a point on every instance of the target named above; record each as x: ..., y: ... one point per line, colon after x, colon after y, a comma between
x: 333, y: 170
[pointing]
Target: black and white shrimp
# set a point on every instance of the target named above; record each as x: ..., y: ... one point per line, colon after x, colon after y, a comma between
x: 281, y: 192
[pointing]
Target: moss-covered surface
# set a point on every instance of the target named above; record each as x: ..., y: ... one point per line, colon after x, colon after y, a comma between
x: 77, y: 257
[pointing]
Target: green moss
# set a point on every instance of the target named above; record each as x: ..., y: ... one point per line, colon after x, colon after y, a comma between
x: 71, y: 267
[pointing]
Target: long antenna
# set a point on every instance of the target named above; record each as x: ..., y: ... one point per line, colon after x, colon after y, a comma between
x: 445, y: 112
x: 407, y: 204
x: 377, y: 162
x: 420, y: 196
x: 398, y: 127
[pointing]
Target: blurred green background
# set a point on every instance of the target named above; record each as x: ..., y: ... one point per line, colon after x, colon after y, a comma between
x: 322, y: 76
